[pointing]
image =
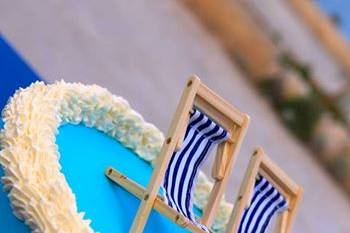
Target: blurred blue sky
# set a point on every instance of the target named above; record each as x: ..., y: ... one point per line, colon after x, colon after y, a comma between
x: 341, y: 9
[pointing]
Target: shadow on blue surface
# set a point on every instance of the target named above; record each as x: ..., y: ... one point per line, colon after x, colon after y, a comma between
x: 110, y: 207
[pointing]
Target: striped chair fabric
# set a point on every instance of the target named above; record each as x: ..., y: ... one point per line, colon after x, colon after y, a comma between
x: 200, y: 137
x: 266, y: 203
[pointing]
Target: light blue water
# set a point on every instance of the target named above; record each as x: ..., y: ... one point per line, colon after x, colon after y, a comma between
x: 85, y: 153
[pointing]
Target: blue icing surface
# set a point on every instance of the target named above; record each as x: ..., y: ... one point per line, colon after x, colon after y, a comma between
x: 85, y: 153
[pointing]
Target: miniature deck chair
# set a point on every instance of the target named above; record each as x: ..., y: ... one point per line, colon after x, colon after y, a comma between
x: 202, y: 120
x: 265, y: 192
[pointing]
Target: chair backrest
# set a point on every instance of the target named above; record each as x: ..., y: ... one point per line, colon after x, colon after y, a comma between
x: 195, y: 95
x: 265, y: 192
x: 201, y: 135
x: 267, y: 201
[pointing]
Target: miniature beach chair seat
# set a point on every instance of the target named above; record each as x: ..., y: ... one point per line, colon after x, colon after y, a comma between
x: 202, y: 120
x: 266, y: 192
x: 266, y: 202
x: 201, y: 135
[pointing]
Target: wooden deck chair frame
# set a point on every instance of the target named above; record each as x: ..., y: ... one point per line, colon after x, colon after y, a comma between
x: 234, y: 122
x: 261, y: 164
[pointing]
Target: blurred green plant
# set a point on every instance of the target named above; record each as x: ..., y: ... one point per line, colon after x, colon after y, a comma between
x: 304, y: 71
x: 299, y: 114
x: 289, y: 62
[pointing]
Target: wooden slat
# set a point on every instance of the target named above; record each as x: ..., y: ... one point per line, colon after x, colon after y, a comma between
x: 221, y: 106
x: 249, y: 179
x: 262, y: 165
x: 293, y: 209
x: 231, y: 151
x: 204, y: 106
x: 199, y: 96
x: 282, y: 222
x: 217, y: 191
x: 171, y: 143
x: 181, y: 116
x: 276, y: 176
x: 220, y: 162
x: 245, y: 192
x: 159, y: 204
x: 182, y: 132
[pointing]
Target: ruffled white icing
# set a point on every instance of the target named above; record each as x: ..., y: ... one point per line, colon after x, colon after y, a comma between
x: 38, y: 191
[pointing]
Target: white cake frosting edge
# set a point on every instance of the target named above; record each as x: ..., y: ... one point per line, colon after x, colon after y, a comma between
x: 38, y: 191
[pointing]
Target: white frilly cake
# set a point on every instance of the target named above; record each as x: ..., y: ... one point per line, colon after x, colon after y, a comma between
x: 38, y: 191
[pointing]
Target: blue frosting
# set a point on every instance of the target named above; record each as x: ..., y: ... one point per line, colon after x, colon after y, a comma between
x: 85, y: 153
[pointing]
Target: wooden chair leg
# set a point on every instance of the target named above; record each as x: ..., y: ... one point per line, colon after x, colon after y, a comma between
x: 230, y: 151
x: 171, y: 143
x: 159, y: 204
x: 245, y: 193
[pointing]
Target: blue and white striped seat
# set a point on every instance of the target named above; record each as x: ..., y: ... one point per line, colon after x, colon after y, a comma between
x: 266, y: 202
x: 201, y: 135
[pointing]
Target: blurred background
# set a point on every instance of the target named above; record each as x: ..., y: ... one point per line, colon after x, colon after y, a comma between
x: 284, y: 62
